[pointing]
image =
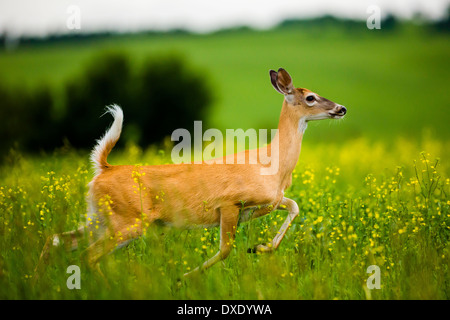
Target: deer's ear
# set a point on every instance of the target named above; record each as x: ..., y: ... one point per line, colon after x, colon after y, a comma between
x: 284, y: 82
x: 273, y: 80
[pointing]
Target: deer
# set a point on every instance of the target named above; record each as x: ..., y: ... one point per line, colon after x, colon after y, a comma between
x: 176, y: 194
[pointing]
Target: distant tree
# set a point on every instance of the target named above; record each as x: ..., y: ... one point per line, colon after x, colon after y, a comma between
x: 164, y: 94
x: 26, y: 119
x: 389, y: 22
x: 443, y: 25
x: 169, y: 94
x: 105, y: 81
x: 42, y: 129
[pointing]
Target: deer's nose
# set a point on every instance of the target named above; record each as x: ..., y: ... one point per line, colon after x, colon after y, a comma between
x: 342, y: 109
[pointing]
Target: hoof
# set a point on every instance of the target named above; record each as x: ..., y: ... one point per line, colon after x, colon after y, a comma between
x: 261, y: 248
x: 251, y: 250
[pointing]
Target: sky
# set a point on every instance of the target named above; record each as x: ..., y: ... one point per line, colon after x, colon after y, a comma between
x: 43, y: 17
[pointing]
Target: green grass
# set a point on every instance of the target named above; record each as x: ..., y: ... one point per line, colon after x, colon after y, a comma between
x: 356, y: 210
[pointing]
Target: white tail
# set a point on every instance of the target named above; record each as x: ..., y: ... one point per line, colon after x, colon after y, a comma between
x: 104, y: 145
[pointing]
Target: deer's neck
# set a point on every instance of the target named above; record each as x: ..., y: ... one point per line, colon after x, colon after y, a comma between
x: 288, y: 141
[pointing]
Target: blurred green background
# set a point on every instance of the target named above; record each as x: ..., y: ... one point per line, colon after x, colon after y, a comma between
x: 393, y: 81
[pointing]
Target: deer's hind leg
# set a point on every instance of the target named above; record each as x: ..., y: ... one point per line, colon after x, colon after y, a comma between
x: 68, y: 240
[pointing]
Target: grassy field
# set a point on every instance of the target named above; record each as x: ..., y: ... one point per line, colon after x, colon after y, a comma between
x: 354, y: 212
x: 372, y: 189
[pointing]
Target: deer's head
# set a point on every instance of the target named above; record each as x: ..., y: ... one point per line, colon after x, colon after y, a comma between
x: 306, y: 104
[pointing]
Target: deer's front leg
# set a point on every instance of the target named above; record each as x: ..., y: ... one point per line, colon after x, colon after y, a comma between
x: 229, y: 217
x: 292, y: 207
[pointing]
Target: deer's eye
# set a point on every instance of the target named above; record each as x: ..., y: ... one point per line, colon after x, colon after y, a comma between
x: 310, y: 98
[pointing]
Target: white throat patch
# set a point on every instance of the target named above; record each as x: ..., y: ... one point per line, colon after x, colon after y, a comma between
x: 303, y: 122
x: 302, y: 125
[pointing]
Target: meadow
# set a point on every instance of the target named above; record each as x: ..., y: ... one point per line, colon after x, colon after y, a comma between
x: 356, y: 210
x: 372, y: 189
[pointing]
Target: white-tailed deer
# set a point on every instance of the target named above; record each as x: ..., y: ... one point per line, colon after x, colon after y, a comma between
x: 126, y: 199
